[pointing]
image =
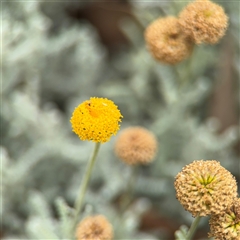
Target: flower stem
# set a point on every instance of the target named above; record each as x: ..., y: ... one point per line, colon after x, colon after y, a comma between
x: 193, y: 228
x: 79, y: 200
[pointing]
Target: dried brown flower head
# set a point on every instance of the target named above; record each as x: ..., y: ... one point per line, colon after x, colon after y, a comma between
x: 204, y: 21
x: 136, y: 145
x: 94, y: 228
x: 167, y: 42
x: 226, y: 225
x: 205, y: 187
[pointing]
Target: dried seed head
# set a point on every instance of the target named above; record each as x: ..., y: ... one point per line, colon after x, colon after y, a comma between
x: 205, y: 187
x: 136, y: 145
x: 204, y: 21
x: 226, y: 225
x: 94, y: 228
x: 167, y: 42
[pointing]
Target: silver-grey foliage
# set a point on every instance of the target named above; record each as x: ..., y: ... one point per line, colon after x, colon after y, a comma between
x: 43, y: 162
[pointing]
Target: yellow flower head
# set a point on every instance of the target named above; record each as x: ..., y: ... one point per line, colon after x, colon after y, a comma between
x: 226, y: 225
x: 204, y: 21
x: 205, y: 187
x: 96, y: 120
x: 94, y: 228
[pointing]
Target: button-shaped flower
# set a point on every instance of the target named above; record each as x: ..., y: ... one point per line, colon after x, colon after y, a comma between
x: 94, y: 228
x: 136, y: 145
x: 96, y: 120
x: 226, y: 225
x: 204, y: 21
x: 205, y: 187
x: 167, y: 42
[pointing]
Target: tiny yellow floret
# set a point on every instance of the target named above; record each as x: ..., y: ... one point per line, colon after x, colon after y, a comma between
x: 96, y: 120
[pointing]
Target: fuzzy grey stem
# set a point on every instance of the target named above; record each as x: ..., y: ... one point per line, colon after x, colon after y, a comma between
x: 84, y: 184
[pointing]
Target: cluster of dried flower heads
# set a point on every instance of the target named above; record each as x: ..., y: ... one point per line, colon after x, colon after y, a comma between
x: 205, y: 188
x: 171, y: 40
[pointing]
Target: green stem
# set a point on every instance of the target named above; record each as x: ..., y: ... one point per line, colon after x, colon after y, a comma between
x: 193, y: 228
x: 79, y: 200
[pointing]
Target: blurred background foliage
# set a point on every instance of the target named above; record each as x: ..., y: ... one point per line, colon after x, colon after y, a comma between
x: 56, y: 55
